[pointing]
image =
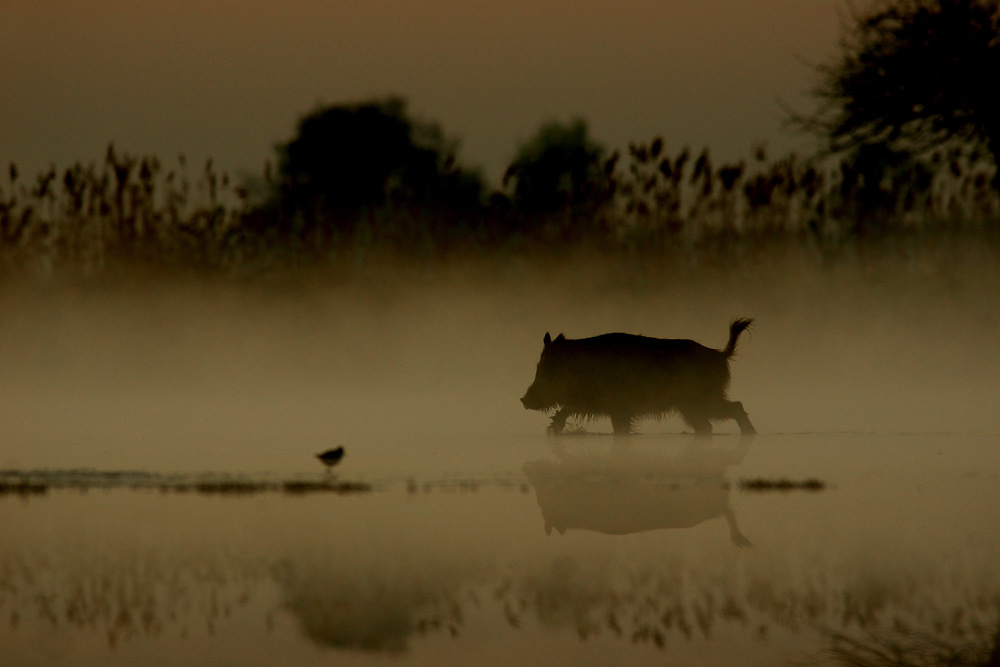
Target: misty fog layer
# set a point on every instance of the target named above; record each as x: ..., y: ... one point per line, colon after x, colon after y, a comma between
x: 195, y: 376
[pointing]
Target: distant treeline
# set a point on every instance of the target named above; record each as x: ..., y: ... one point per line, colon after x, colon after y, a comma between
x: 366, y: 180
x: 908, y: 145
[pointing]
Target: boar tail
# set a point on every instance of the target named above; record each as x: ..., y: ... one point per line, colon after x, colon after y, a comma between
x: 735, y: 329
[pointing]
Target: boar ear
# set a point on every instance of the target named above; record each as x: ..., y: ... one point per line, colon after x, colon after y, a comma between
x: 560, y: 337
x: 547, y: 339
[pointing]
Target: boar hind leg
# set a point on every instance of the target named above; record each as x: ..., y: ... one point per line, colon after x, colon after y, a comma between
x: 701, y: 425
x: 734, y: 410
x: 622, y: 424
x: 559, y: 421
x: 698, y: 420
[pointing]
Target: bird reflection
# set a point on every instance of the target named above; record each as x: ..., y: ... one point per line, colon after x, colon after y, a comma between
x: 631, y: 490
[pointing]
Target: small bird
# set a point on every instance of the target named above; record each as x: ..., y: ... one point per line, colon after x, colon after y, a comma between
x: 331, y: 457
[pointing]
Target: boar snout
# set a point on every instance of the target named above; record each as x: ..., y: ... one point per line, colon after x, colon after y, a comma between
x: 531, y: 400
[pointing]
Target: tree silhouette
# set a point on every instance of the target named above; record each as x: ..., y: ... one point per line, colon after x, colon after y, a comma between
x: 560, y: 168
x: 912, y: 75
x: 347, y: 161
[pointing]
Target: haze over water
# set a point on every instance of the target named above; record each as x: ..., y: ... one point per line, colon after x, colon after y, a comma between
x: 469, y: 532
x: 153, y: 376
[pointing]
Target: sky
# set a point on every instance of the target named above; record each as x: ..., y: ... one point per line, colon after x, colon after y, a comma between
x: 229, y: 79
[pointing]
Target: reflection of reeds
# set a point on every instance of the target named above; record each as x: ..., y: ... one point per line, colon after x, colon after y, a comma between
x: 904, y: 646
x: 125, y: 596
x: 906, y: 616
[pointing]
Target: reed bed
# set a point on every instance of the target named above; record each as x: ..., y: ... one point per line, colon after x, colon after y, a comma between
x: 131, y: 212
x: 125, y: 210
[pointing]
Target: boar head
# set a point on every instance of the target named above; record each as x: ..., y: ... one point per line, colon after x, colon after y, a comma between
x: 550, y: 386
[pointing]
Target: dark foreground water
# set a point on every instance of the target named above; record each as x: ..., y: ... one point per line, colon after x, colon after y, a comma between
x: 588, y: 550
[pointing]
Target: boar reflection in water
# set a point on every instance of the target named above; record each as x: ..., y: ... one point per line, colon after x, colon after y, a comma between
x: 626, y: 377
x: 632, y: 492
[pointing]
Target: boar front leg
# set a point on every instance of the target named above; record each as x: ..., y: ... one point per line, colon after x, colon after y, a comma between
x: 559, y: 421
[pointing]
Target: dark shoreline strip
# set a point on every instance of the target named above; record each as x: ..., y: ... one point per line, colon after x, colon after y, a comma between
x: 783, y: 484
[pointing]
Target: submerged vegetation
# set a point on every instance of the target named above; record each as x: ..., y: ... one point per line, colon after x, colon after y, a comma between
x: 763, y: 484
x: 26, y: 483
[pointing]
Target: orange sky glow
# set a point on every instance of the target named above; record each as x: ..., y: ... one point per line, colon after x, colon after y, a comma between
x: 229, y: 79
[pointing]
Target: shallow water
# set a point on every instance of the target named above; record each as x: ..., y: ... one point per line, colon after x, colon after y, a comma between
x: 159, y: 503
x: 574, y: 550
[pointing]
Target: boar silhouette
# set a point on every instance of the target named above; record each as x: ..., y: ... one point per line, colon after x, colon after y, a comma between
x: 628, y: 377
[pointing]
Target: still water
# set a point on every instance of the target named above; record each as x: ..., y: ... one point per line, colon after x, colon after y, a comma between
x: 578, y: 550
x: 160, y: 503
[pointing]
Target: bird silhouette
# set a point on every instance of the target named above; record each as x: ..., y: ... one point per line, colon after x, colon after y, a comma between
x: 331, y: 457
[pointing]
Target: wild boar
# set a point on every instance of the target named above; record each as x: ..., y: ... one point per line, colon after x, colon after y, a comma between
x: 628, y: 377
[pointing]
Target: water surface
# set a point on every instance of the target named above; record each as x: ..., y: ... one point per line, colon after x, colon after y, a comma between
x: 160, y: 503
x: 583, y: 552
